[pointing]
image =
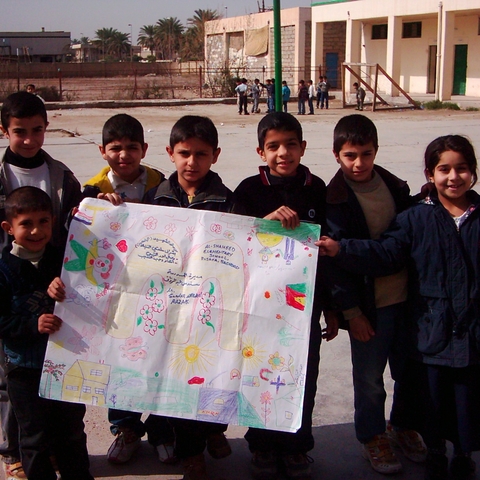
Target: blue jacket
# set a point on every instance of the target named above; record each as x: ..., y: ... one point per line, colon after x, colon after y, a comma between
x: 23, y: 298
x: 345, y: 219
x: 444, y: 273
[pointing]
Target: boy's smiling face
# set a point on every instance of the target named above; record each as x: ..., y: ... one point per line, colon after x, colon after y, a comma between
x: 356, y: 161
x: 124, y: 157
x: 193, y: 159
x: 31, y: 230
x: 26, y: 135
x: 282, y: 150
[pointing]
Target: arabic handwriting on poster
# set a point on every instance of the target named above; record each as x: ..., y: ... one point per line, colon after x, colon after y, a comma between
x: 184, y: 313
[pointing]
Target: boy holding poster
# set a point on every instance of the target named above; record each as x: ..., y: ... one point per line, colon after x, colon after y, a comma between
x: 286, y: 191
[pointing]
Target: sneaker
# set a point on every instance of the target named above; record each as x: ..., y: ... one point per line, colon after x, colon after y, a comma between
x: 218, y: 446
x: 124, y: 446
x: 436, y: 466
x: 381, y: 456
x: 409, y: 441
x: 195, y: 468
x: 166, y: 453
x: 297, y: 467
x: 264, y: 466
x: 462, y: 467
x: 14, y: 471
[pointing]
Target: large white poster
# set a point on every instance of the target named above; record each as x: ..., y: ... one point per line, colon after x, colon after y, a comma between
x: 184, y: 313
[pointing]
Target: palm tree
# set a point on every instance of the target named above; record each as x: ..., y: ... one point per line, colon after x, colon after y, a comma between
x: 147, y: 36
x: 169, y: 35
x: 112, y: 42
x: 194, y: 38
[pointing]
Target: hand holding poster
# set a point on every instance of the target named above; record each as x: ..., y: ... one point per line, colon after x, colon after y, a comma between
x: 184, y: 313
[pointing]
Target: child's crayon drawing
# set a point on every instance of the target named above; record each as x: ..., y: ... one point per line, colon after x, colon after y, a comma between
x: 185, y: 313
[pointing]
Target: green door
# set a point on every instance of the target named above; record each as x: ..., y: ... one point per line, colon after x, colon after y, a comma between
x: 460, y: 70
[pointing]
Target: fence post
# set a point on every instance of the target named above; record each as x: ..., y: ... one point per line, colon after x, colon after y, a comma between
x: 60, y: 84
x: 200, y: 81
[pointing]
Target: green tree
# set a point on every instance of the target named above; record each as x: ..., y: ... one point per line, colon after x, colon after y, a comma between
x: 112, y: 42
x: 169, y: 37
x: 147, y: 37
x: 194, y: 37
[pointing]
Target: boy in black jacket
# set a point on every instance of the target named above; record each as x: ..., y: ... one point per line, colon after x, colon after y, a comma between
x: 286, y: 191
x: 27, y: 268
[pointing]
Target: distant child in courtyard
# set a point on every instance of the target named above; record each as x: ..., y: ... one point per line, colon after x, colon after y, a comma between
x: 194, y: 149
x: 311, y: 97
x: 285, y: 95
x: 287, y: 191
x: 123, y: 147
x: 362, y: 200
x: 24, y: 123
x: 319, y: 90
x: 242, y: 91
x: 27, y: 267
x: 256, y: 91
x: 438, y: 241
x: 359, y: 95
x: 302, y: 95
x: 30, y: 88
x: 324, y: 90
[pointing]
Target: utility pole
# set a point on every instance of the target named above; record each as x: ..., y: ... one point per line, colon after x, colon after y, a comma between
x: 277, y: 44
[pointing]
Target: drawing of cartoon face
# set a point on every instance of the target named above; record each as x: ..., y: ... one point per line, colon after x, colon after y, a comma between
x: 103, y: 265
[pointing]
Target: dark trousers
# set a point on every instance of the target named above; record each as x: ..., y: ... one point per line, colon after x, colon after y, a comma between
x: 243, y: 104
x: 157, y: 428
x: 46, y: 427
x: 323, y: 99
x: 191, y: 435
x: 302, y: 440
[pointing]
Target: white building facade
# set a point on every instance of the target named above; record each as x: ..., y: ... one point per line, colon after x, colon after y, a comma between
x: 426, y: 46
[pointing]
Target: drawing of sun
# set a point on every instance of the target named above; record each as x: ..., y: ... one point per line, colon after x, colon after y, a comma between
x: 193, y: 358
x: 252, y: 353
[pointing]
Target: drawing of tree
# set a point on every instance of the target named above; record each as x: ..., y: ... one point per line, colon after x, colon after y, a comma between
x: 266, y: 400
x: 54, y: 370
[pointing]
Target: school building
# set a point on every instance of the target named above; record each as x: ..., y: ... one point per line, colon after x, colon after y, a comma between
x: 425, y: 46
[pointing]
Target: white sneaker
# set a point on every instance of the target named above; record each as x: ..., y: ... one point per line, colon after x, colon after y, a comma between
x: 123, y: 447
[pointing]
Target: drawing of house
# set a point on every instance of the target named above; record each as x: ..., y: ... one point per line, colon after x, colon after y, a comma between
x: 86, y: 382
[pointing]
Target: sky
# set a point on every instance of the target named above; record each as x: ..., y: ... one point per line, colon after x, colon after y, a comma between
x: 84, y: 17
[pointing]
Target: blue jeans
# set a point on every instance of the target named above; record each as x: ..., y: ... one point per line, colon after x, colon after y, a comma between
x: 301, y: 107
x: 369, y: 360
x: 271, y: 104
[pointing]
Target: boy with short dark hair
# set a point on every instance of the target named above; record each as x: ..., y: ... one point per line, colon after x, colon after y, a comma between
x: 287, y: 191
x: 24, y: 123
x: 362, y: 200
x: 193, y: 148
x: 359, y: 95
x: 123, y: 147
x: 27, y: 268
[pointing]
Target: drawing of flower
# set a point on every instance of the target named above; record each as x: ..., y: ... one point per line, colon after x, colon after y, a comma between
x: 266, y: 398
x: 146, y: 313
x: 115, y: 226
x: 207, y: 300
x: 157, y: 306
x: 170, y: 229
x: 151, y: 327
x: 276, y: 361
x: 151, y: 294
x: 204, y: 315
x: 150, y: 223
x: 215, y: 228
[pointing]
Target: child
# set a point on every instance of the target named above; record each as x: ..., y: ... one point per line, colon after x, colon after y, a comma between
x: 256, y: 91
x: 24, y: 122
x: 362, y: 200
x: 359, y: 95
x: 302, y: 97
x: 311, y: 96
x: 30, y: 88
x: 285, y: 95
x: 242, y: 90
x: 27, y: 268
x: 194, y: 149
x: 123, y: 147
x: 324, y: 88
x: 286, y: 191
x: 438, y: 240
x: 319, y: 90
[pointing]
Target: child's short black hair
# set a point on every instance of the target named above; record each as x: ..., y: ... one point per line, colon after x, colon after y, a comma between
x: 22, y: 105
x: 454, y: 143
x: 355, y: 129
x: 25, y: 200
x: 280, y: 121
x: 194, y: 126
x: 122, y: 126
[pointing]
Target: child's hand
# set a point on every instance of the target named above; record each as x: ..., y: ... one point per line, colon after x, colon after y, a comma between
x: 49, y: 323
x: 327, y: 246
x: 113, y: 198
x: 361, y: 329
x: 286, y: 215
x: 331, y: 330
x: 56, y: 290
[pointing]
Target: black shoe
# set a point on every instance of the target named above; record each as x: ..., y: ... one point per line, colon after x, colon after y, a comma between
x: 462, y: 467
x: 436, y: 467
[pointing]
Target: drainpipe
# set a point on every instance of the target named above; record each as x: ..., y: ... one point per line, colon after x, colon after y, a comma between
x: 439, y: 51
